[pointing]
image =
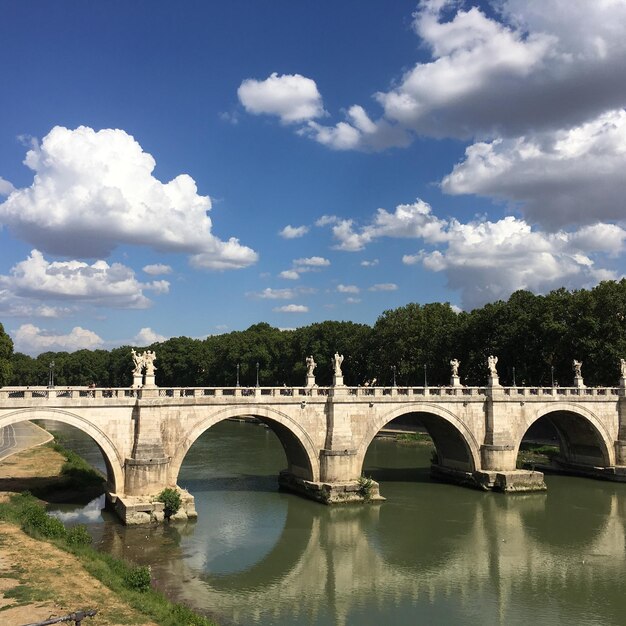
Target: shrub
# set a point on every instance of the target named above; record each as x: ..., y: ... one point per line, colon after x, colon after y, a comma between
x: 78, y: 536
x: 172, y: 501
x: 37, y: 522
x: 365, y: 487
x: 137, y: 578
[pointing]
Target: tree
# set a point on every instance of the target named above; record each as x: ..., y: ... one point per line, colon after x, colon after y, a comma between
x: 6, y: 353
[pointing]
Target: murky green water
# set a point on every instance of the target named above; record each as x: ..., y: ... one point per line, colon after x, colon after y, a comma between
x: 432, y: 554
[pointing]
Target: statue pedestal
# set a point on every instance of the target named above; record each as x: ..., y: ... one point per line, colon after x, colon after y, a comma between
x: 338, y: 381
x: 622, y: 382
x: 455, y: 381
x: 493, y: 381
x: 137, y: 381
x: 578, y: 382
x: 310, y: 381
x: 149, y: 381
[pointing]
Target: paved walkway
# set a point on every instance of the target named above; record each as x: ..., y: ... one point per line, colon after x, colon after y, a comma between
x: 21, y: 436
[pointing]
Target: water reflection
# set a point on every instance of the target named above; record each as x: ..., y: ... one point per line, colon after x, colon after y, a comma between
x: 433, y: 553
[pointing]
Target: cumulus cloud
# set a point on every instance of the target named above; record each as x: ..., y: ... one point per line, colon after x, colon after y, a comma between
x: 147, y: 336
x: 93, y: 191
x: 543, y: 65
x: 347, y: 288
x: 5, y: 187
x: 274, y: 294
x: 293, y: 232
x: 312, y: 261
x: 291, y: 97
x: 112, y: 285
x: 290, y: 274
x: 487, y: 260
x: 562, y: 177
x: 33, y: 340
x: 326, y: 220
x: 384, y: 287
x: 353, y: 300
x: 407, y: 221
x: 372, y: 263
x: 291, y: 308
x: 157, y: 269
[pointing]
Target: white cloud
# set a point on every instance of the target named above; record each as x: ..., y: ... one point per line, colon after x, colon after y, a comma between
x: 358, y: 133
x: 546, y: 64
x: 347, y: 288
x: 33, y: 340
x: 326, y: 220
x: 291, y: 97
x: 384, y: 287
x: 112, y: 285
x: 293, y: 232
x: 147, y: 336
x: 290, y: 274
x: 93, y: 191
x: 157, y: 268
x: 487, y: 260
x: 353, y: 300
x: 274, y: 294
x: 563, y: 177
x: 407, y: 221
x: 291, y: 308
x: 5, y: 187
x: 371, y: 263
x: 15, y: 306
x: 313, y: 261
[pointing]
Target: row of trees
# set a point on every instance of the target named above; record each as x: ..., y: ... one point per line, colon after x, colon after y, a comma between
x: 535, y: 338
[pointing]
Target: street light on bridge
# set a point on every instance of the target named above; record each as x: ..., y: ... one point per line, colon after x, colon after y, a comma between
x: 425, y: 378
x: 51, y: 375
x: 393, y: 369
x: 552, y: 374
x: 238, y: 385
x: 257, y: 373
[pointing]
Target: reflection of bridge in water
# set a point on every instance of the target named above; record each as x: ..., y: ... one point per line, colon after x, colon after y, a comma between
x: 504, y: 551
x: 144, y: 434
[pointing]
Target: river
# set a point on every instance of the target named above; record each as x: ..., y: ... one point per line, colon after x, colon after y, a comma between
x: 431, y: 554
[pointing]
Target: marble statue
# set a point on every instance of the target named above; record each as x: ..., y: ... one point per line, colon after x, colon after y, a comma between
x: 576, y: 366
x: 138, y: 360
x: 492, y: 361
x: 622, y: 367
x: 310, y: 365
x: 454, y: 364
x: 149, y: 358
x: 336, y: 361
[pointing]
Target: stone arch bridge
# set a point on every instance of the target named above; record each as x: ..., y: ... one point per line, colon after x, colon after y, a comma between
x: 145, y: 433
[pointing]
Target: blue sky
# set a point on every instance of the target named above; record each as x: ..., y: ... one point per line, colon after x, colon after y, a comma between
x: 350, y: 156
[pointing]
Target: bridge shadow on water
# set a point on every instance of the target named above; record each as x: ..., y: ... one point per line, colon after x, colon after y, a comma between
x: 241, y: 482
x: 399, y: 474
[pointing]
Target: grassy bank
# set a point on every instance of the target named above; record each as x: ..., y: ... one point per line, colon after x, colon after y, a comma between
x: 54, y: 569
x: 531, y: 454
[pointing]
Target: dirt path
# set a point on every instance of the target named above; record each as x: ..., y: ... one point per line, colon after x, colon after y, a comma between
x: 38, y: 580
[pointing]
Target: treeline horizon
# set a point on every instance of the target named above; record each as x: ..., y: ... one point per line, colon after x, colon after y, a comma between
x: 535, y: 337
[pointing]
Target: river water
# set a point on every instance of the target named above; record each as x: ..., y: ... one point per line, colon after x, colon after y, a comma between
x: 431, y: 554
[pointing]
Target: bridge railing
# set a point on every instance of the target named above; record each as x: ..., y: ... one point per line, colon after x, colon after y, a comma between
x: 21, y: 393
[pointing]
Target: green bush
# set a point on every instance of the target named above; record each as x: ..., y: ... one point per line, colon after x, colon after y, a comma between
x: 138, y: 577
x: 78, y: 536
x: 38, y: 523
x: 172, y: 501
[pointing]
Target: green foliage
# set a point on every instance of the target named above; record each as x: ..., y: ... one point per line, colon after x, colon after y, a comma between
x: 366, y: 485
x: 6, y: 353
x: 137, y: 578
x: 78, y: 536
x: 171, y: 500
x: 537, y: 335
x: 37, y: 523
x: 76, y: 471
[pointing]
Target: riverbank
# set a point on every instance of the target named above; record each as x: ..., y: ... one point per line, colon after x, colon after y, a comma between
x: 40, y: 578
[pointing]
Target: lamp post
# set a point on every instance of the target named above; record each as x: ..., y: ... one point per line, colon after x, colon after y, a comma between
x: 257, y: 373
x: 393, y: 369
x: 238, y: 385
x: 514, y: 385
x: 552, y: 374
x: 425, y: 378
x: 51, y: 375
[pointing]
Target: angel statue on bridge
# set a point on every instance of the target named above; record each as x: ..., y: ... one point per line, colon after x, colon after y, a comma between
x: 576, y: 366
x: 492, y: 361
x: 454, y: 364
x: 622, y: 367
x: 149, y: 358
x: 139, y: 361
x: 310, y: 365
x: 336, y: 361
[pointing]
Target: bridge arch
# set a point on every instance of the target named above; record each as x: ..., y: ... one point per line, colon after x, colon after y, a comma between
x: 583, y: 437
x: 456, y: 445
x: 301, y: 453
x: 112, y: 458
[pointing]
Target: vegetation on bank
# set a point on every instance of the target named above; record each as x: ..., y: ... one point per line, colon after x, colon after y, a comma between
x: 531, y: 454
x: 129, y: 582
x: 535, y: 338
